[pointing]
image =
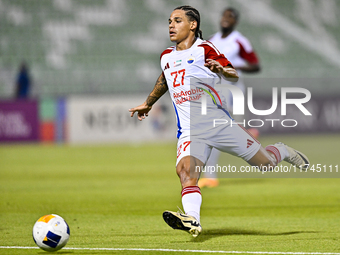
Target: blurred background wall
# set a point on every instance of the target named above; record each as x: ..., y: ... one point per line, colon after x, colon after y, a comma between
x: 106, y: 48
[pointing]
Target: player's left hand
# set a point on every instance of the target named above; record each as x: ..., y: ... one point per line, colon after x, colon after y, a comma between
x: 213, y: 66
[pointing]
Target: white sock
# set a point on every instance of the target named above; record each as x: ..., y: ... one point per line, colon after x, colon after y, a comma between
x: 191, y: 201
x: 280, y: 152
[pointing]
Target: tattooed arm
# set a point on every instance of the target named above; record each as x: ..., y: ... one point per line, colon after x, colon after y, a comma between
x: 160, y: 88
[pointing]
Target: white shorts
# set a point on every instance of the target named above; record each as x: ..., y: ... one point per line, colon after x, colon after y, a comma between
x: 234, y: 140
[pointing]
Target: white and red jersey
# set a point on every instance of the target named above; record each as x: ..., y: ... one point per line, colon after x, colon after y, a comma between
x: 239, y: 52
x: 188, y: 81
x: 236, y: 48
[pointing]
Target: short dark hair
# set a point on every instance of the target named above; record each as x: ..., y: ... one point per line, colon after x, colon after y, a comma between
x: 192, y: 14
x: 234, y: 11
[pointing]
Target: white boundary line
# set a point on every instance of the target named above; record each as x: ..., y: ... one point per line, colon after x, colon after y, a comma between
x: 176, y: 250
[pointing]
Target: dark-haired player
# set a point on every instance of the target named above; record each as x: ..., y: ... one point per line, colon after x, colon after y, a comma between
x: 190, y: 68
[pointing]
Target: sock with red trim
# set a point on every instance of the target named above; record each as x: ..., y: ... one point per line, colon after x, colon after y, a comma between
x: 280, y: 152
x: 191, y: 201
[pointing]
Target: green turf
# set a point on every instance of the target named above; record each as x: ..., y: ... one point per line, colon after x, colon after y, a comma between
x: 114, y: 196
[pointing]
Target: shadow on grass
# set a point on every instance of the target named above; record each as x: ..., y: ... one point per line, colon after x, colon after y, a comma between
x: 211, y: 233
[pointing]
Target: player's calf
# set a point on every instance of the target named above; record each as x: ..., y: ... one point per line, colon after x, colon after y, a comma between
x: 187, y: 171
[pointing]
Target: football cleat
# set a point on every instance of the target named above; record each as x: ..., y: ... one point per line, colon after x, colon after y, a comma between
x: 183, y: 222
x: 296, y: 158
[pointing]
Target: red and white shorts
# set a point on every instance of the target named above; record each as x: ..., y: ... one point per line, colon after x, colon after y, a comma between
x: 234, y: 140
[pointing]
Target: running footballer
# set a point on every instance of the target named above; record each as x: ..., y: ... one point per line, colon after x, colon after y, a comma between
x: 193, y: 66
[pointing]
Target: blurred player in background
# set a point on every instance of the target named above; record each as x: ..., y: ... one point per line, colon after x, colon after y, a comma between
x: 240, y: 53
x: 184, y: 68
x: 23, y: 82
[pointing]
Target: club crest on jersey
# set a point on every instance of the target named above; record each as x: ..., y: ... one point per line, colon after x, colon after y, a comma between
x: 191, y: 60
x: 178, y: 63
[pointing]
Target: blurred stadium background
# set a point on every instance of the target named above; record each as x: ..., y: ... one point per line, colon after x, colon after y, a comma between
x: 81, y: 51
x: 92, y: 60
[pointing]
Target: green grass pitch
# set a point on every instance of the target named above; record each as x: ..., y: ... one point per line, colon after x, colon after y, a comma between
x: 113, y: 197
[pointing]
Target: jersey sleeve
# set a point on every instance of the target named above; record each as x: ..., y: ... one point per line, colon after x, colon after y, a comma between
x: 165, y: 66
x: 246, y: 51
x: 212, y: 52
x: 168, y: 50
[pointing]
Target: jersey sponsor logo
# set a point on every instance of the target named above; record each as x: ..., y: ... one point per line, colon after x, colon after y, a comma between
x: 249, y: 143
x: 189, y: 95
x: 191, y: 60
x: 188, y: 98
x: 178, y: 63
x: 166, y: 66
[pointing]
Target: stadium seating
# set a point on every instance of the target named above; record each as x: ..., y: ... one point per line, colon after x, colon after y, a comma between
x: 113, y: 46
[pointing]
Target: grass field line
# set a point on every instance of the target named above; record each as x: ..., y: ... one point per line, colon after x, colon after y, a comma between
x: 178, y: 250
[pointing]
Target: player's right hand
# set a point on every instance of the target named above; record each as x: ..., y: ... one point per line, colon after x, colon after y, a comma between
x: 142, y: 111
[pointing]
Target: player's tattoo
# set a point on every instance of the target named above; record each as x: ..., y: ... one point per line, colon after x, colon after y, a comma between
x: 160, y: 88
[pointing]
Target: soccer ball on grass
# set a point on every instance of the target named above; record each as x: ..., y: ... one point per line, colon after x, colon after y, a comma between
x: 51, y: 232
